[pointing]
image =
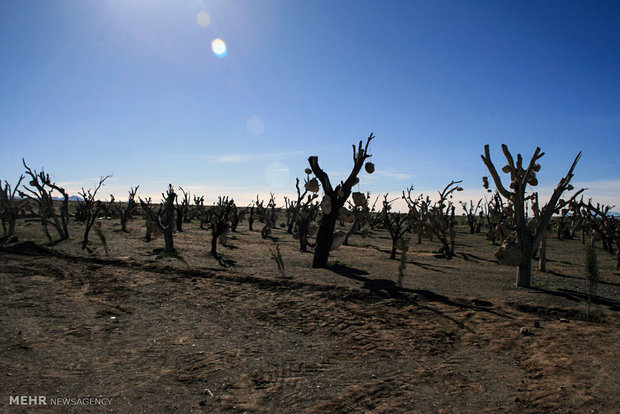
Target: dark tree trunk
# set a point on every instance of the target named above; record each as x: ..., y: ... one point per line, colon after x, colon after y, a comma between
x: 124, y: 217
x: 524, y: 270
x: 214, y: 245
x: 354, y: 228
x: 393, y: 252
x: 168, y: 241
x: 324, y: 238
x: 524, y: 274
x: 303, y: 228
x: 64, y: 213
x: 179, y: 220
x: 542, y: 263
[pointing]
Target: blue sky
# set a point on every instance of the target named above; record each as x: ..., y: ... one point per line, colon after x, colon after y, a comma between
x: 133, y: 89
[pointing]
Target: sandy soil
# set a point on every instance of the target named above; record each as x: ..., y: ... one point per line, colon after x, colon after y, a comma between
x: 160, y: 334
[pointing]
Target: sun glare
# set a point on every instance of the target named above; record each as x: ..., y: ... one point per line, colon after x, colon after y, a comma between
x: 203, y: 19
x: 219, y: 48
x: 255, y: 125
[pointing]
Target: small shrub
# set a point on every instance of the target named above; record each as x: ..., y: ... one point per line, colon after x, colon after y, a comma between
x: 403, y: 261
x: 276, y: 256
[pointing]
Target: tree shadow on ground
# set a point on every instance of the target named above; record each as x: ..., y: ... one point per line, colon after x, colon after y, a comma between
x: 575, y: 296
x: 468, y: 256
x: 427, y: 266
x: 388, y: 289
x: 602, y: 282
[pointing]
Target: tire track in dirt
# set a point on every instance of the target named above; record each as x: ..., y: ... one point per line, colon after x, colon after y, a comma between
x: 228, y: 342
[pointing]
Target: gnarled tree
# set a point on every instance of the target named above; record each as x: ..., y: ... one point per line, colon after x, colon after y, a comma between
x: 168, y: 223
x: 90, y: 208
x: 605, y: 225
x: 472, y: 215
x: 182, y: 210
x: 398, y: 225
x: 334, y: 199
x: 527, y: 237
x: 10, y: 209
x: 42, y: 196
x: 221, y: 216
x: 126, y: 211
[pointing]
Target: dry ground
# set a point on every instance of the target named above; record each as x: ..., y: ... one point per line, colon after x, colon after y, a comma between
x: 162, y: 334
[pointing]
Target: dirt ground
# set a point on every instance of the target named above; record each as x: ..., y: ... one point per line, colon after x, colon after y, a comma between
x: 164, y: 334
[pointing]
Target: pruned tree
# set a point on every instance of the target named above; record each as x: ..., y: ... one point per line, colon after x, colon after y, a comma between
x: 182, y: 210
x: 42, y: 195
x: 199, y: 212
x: 267, y: 214
x: 361, y: 212
x: 221, y: 215
x: 334, y: 199
x: 527, y: 237
x: 126, y: 211
x: 605, y: 225
x: 472, y: 215
x: 90, y: 208
x: 109, y: 209
x: 10, y: 208
x: 397, y: 224
x: 418, y: 209
x: 251, y: 211
x: 304, y: 221
x: 293, y: 206
x: 237, y: 216
x: 166, y: 225
x: 535, y: 207
x: 441, y: 219
x: 435, y: 219
x: 499, y: 218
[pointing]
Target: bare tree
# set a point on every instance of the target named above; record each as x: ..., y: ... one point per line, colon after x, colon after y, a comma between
x: 10, y: 208
x: 42, y: 195
x: 418, y: 208
x: 221, y: 215
x: 397, y: 224
x: 267, y: 215
x: 527, y: 238
x: 472, y: 216
x: 361, y: 213
x: 90, y: 208
x: 293, y: 207
x: 199, y: 211
x: 305, y: 216
x: 435, y: 218
x: 166, y: 229
x: 605, y: 225
x: 334, y: 199
x: 182, y: 210
x: 251, y: 213
x: 441, y: 219
x: 126, y: 211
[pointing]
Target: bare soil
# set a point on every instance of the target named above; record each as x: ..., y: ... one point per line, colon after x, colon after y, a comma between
x: 166, y: 334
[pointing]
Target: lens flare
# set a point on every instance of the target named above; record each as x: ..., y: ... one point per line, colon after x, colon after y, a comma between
x: 203, y: 19
x: 219, y: 48
x: 255, y: 125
